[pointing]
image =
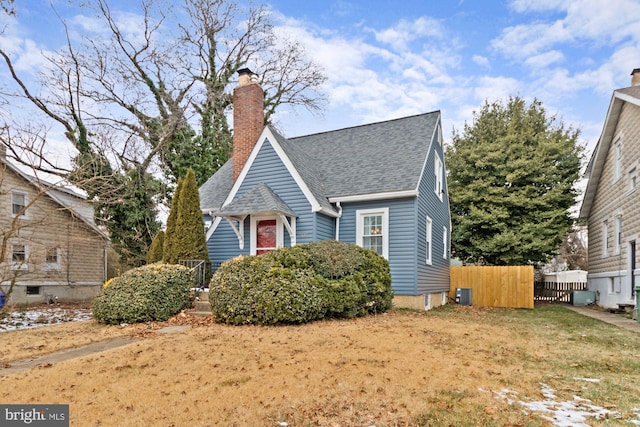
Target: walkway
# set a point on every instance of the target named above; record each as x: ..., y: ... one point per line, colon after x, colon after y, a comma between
x: 70, y: 353
x: 606, y: 316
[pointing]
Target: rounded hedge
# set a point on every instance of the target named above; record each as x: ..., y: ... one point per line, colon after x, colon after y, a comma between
x: 153, y: 292
x: 300, y: 284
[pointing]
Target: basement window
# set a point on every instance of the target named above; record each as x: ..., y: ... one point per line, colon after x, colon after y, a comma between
x: 33, y: 290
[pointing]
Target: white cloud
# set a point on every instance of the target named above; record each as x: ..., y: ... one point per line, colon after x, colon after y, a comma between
x: 496, y: 88
x: 483, y: 61
x: 543, y: 60
x: 585, y: 22
x: 400, y: 36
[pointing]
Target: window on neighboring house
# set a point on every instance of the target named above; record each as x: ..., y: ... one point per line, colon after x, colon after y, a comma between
x: 18, y: 203
x: 618, y: 160
x: 618, y: 234
x: 605, y: 238
x: 438, y: 171
x: 373, y: 230
x: 429, y: 240
x: 33, y: 290
x: 633, y: 177
x: 445, y: 247
x: 52, y: 259
x: 18, y: 257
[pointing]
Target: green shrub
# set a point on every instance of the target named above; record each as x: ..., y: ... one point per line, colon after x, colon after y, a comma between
x: 153, y: 292
x: 376, y: 277
x: 301, y: 284
x: 254, y: 290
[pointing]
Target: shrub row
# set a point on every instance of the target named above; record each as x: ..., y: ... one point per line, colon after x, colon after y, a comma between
x: 153, y: 292
x: 300, y: 284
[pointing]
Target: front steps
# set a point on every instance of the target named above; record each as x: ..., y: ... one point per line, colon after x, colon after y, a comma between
x: 201, y: 307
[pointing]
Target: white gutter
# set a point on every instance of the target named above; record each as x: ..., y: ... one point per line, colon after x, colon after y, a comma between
x: 338, y: 221
x: 375, y: 196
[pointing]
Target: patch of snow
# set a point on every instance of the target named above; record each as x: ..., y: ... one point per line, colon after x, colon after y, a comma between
x: 41, y: 316
x: 571, y: 413
x: 589, y: 380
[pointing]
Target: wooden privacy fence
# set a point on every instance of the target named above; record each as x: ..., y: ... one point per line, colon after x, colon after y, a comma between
x: 509, y: 287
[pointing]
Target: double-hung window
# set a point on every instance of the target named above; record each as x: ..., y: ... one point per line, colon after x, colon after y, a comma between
x: 19, y: 255
x: 618, y: 235
x: 372, y: 230
x: 429, y: 240
x: 605, y: 239
x: 438, y: 170
x: 52, y: 259
x: 18, y: 203
x: 445, y: 246
x: 618, y: 159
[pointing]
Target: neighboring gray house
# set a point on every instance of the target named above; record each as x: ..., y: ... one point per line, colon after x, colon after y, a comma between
x: 611, y: 200
x: 381, y: 186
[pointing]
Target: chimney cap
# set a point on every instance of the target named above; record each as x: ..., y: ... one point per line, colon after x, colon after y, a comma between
x: 635, y: 71
x: 244, y: 71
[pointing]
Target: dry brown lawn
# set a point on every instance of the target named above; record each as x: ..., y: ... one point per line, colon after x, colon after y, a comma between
x: 440, y: 368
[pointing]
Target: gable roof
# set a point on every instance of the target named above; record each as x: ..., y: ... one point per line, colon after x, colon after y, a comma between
x: 258, y: 199
x: 73, y: 202
x: 374, y: 160
x: 599, y: 156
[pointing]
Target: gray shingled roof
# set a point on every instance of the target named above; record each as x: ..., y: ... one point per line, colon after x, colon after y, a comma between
x: 375, y: 158
x: 258, y: 199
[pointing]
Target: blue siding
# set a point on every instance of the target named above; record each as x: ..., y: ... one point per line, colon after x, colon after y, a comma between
x: 325, y: 227
x: 434, y: 277
x: 269, y: 169
x: 402, y: 238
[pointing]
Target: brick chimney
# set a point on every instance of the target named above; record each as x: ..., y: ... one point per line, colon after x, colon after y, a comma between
x: 248, y: 118
x: 635, y: 77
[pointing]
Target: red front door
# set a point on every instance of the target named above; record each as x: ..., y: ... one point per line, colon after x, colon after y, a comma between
x: 266, y: 236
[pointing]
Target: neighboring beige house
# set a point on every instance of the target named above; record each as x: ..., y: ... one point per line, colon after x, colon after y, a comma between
x: 612, y: 199
x: 54, y: 250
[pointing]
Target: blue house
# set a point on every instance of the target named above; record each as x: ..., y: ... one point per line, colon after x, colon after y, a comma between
x: 381, y: 186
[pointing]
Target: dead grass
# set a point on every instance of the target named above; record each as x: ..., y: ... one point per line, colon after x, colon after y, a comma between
x: 402, y: 368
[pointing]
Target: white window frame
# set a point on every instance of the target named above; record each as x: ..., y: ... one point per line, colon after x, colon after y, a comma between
x: 254, y: 231
x: 438, y: 170
x: 429, y: 241
x: 26, y: 202
x: 445, y: 246
x: 618, y: 236
x: 605, y: 238
x: 22, y: 265
x: 617, y: 172
x: 361, y: 214
x: 52, y: 265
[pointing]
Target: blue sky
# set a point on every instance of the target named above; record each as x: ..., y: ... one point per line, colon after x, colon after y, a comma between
x: 389, y: 59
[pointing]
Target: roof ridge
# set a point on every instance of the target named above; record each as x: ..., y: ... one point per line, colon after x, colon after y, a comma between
x: 364, y: 125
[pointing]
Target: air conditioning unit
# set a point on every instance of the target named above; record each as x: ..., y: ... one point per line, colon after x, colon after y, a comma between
x: 463, y: 296
x: 583, y: 298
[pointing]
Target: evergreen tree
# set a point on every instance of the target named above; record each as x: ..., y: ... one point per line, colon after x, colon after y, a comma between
x: 169, y: 252
x: 511, y: 182
x: 156, y: 249
x: 190, y: 241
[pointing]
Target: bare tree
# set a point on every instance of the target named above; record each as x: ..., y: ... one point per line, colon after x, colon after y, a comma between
x: 141, y: 107
x: 7, y: 6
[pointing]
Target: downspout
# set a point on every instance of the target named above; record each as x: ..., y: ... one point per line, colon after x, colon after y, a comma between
x: 338, y: 221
